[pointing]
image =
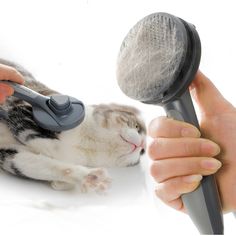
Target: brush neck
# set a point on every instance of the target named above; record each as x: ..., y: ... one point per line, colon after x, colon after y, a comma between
x: 182, y: 109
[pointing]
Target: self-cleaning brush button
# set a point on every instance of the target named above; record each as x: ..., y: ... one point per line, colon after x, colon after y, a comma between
x: 60, y: 104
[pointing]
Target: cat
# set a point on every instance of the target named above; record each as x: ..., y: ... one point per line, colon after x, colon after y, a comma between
x: 111, y: 135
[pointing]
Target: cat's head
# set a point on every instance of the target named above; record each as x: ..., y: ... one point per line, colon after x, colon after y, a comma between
x: 118, y: 135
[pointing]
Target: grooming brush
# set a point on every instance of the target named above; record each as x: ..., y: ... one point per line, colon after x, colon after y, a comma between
x: 55, y: 113
x: 157, y: 62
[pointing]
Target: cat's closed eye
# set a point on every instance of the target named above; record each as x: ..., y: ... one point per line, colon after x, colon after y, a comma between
x: 138, y: 128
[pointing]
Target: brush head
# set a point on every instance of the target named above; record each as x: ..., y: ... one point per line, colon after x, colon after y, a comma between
x: 152, y: 57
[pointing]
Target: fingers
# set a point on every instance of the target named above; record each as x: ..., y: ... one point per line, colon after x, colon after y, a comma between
x: 9, y: 73
x: 162, y: 148
x: 2, y: 98
x: 5, y: 90
x: 171, y: 190
x: 202, y: 89
x: 174, y: 138
x: 166, y: 127
x: 173, y: 167
x: 180, y: 159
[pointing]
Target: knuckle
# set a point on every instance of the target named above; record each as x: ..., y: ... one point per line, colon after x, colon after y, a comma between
x: 156, y: 171
x: 192, y: 147
x: 156, y: 147
x: 13, y: 70
x: 161, y: 122
x: 187, y: 188
x: 159, y: 191
x: 166, y: 193
x: 176, y: 204
x: 187, y: 148
x: 152, y: 149
x: 154, y: 126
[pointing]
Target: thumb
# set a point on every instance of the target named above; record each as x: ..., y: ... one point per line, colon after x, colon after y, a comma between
x: 208, y: 97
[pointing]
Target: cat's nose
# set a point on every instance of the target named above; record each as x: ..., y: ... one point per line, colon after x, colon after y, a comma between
x: 142, y: 145
x: 142, y: 151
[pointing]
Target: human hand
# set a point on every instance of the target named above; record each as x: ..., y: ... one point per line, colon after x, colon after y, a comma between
x: 8, y: 73
x: 181, y: 157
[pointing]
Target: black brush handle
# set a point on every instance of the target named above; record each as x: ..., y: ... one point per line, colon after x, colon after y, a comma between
x: 203, y: 204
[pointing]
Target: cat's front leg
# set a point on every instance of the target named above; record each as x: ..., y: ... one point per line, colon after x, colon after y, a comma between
x: 95, y: 179
x: 62, y: 175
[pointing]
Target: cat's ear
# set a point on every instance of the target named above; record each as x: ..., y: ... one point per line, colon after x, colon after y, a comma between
x: 124, y: 109
x: 107, y: 115
x: 101, y: 114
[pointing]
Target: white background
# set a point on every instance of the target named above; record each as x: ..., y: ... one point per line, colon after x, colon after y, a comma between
x: 72, y: 45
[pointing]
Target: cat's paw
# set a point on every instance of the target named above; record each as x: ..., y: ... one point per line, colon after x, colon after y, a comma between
x: 96, y: 180
x: 59, y: 185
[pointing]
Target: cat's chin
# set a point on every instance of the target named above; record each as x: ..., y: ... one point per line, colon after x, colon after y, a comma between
x: 133, y: 164
x: 131, y: 159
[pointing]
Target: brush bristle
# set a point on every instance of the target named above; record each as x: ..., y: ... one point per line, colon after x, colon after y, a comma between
x: 151, y: 56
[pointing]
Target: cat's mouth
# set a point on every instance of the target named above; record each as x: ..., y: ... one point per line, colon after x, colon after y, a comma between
x: 134, y: 146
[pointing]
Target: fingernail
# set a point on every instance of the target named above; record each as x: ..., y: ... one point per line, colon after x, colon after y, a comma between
x: 211, y: 148
x: 192, y: 179
x: 212, y: 164
x: 190, y: 132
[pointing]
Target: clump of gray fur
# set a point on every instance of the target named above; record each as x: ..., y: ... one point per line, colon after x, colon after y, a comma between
x: 150, y: 56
